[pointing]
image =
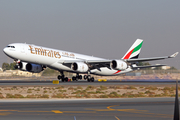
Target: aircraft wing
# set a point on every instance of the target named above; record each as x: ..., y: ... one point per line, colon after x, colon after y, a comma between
x: 97, y: 64
x: 94, y: 64
x: 86, y: 61
x: 151, y: 59
x: 149, y: 66
x: 107, y: 61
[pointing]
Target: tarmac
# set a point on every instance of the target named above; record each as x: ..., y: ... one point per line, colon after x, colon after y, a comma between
x: 88, y: 109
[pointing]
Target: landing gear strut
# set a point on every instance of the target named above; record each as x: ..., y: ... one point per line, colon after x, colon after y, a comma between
x: 62, y: 77
x: 77, y: 77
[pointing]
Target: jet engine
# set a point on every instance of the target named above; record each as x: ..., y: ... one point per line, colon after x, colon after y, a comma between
x: 21, y: 66
x: 35, y: 68
x: 79, y: 66
x: 118, y: 65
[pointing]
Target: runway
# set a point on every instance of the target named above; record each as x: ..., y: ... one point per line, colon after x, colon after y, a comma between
x: 82, y: 82
x: 88, y: 109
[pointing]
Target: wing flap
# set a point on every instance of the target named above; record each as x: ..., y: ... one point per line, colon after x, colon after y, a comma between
x: 149, y: 66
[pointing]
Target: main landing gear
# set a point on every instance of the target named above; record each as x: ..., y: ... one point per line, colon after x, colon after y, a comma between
x: 62, y: 77
x: 89, y: 78
x: 75, y: 78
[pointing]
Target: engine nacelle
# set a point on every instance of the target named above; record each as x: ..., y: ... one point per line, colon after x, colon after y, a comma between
x: 34, y: 68
x: 118, y: 65
x: 79, y: 66
x: 21, y: 66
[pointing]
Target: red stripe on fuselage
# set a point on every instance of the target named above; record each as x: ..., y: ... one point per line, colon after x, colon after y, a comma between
x: 117, y: 72
x: 128, y: 55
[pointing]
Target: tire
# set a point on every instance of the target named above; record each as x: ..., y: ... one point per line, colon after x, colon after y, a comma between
x: 85, y: 77
x: 73, y: 78
x: 88, y: 77
x: 66, y: 79
x: 80, y: 77
x: 58, y: 77
x: 92, y: 79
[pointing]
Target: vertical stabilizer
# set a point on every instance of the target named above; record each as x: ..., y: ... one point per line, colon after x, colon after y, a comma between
x: 134, y: 51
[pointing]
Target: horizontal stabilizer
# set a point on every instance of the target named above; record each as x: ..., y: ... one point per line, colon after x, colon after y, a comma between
x: 174, y: 55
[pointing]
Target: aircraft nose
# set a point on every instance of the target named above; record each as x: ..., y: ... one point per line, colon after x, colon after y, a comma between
x: 4, y: 50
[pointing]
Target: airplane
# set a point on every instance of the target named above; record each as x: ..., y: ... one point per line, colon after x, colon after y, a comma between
x: 33, y: 58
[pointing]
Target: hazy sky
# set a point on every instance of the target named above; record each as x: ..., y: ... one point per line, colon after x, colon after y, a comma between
x: 102, y: 28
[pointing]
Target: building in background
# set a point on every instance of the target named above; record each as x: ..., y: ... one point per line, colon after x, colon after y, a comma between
x: 166, y: 67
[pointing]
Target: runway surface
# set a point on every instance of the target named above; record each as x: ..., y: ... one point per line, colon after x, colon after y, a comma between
x: 91, y: 109
x: 82, y: 82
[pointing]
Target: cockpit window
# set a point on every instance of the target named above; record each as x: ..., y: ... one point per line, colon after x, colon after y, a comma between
x: 11, y: 46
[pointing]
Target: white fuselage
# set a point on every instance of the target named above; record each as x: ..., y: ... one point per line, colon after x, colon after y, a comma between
x: 54, y: 58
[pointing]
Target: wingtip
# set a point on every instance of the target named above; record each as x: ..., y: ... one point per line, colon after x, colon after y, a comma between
x: 174, y: 55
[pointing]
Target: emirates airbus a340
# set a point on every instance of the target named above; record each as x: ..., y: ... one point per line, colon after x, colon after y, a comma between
x: 35, y: 59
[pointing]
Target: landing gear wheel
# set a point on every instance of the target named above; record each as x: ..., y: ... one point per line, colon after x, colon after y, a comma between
x: 62, y: 77
x: 66, y: 79
x: 79, y: 77
x: 73, y: 78
x: 92, y: 79
x: 85, y: 77
x: 59, y: 77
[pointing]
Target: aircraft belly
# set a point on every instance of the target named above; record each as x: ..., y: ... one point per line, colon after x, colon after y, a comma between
x: 104, y: 71
x: 60, y: 67
x: 107, y: 72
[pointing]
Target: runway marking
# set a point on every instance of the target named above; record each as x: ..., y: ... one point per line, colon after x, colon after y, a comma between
x: 5, y: 113
x: 79, y: 111
x: 126, y: 110
x: 88, y: 110
x: 136, y: 111
x: 97, y: 109
x: 32, y: 111
x: 117, y: 118
x: 109, y: 107
x: 56, y: 111
x: 7, y: 110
